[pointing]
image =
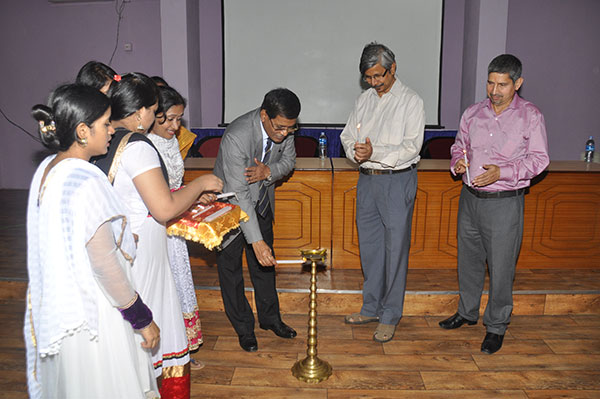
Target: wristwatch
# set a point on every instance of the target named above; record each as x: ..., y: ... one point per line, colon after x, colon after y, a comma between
x: 269, y: 178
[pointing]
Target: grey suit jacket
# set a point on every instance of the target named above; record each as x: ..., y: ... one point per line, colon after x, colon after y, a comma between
x: 241, y: 144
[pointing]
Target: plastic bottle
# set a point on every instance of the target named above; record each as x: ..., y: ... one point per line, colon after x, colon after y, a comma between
x: 323, y: 146
x: 589, y: 150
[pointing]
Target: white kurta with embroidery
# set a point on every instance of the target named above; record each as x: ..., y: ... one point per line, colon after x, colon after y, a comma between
x: 78, y: 344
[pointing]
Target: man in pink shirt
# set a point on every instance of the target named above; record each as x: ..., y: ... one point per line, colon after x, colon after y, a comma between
x: 500, y: 146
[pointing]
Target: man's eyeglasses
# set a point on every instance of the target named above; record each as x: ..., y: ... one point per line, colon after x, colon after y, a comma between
x: 281, y: 129
x: 376, y: 77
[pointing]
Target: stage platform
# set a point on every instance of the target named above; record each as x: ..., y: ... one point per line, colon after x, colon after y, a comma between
x: 429, y: 291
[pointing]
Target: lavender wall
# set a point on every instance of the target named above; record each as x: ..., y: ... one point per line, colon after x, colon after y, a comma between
x: 452, y: 55
x: 44, y: 45
x: 194, y: 73
x: 211, y: 62
x: 469, y: 56
x: 558, y: 42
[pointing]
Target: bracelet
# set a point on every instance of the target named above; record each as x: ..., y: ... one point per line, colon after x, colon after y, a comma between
x: 138, y: 314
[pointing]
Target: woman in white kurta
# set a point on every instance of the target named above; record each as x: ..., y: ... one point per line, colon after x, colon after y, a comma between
x: 163, y: 137
x: 79, y: 258
x: 140, y: 179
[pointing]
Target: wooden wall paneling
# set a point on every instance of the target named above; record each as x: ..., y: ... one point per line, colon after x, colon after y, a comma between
x: 562, y: 222
x: 345, y: 252
x: 303, y: 214
x: 433, y: 243
x: 561, y: 216
x: 433, y: 236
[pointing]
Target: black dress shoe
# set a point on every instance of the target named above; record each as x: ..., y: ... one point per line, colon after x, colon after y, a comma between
x: 455, y: 321
x: 248, y: 342
x: 280, y: 329
x: 492, y: 343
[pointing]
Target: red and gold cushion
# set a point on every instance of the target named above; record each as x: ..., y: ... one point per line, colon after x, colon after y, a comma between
x: 207, y: 224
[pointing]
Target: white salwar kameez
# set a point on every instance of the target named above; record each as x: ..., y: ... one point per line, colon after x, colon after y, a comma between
x: 78, y: 345
x: 179, y: 257
x: 152, y: 275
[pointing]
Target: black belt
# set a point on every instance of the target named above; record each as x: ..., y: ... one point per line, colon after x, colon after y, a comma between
x: 496, y: 194
x: 366, y: 171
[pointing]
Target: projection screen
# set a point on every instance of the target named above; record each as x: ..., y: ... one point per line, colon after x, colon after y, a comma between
x: 313, y: 47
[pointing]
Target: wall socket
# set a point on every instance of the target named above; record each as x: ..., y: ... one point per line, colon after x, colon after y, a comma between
x: 128, y: 47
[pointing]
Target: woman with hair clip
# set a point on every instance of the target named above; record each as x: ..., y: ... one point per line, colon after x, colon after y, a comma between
x: 139, y: 176
x: 79, y: 254
x: 163, y: 135
x: 96, y: 75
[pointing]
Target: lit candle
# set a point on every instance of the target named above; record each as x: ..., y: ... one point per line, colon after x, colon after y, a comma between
x: 358, y: 133
x: 467, y: 168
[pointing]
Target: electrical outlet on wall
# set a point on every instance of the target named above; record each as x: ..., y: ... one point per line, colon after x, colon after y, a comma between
x: 128, y: 47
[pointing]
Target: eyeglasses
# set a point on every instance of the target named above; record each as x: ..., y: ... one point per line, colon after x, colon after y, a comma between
x: 377, y: 77
x: 281, y: 129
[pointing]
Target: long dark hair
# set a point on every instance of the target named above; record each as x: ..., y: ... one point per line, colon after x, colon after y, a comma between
x: 68, y: 106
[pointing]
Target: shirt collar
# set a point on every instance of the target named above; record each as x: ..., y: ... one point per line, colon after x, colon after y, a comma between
x: 265, y: 136
x: 514, y: 104
x: 394, y: 90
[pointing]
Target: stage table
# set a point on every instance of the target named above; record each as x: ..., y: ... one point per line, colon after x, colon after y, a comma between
x: 315, y: 207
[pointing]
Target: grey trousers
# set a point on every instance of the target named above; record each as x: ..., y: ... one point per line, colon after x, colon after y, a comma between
x: 384, y: 209
x: 489, y: 229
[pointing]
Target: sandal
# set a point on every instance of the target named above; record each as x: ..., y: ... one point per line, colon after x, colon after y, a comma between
x: 357, y: 318
x: 384, y: 332
x: 196, y: 364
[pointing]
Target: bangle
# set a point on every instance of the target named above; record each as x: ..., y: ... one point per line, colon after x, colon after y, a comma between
x: 138, y: 314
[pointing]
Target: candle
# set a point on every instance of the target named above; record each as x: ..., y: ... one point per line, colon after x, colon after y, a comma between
x: 358, y: 133
x: 226, y: 195
x: 289, y: 262
x: 467, y: 168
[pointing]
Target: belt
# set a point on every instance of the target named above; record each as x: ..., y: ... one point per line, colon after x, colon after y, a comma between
x: 496, y: 194
x: 366, y: 171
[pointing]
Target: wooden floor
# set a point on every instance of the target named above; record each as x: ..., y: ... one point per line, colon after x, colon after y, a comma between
x: 554, y: 353
x: 542, y: 357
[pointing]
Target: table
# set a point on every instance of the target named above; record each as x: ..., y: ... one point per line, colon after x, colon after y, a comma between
x: 315, y: 207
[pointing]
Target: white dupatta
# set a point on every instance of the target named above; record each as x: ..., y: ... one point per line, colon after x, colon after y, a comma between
x: 62, y: 216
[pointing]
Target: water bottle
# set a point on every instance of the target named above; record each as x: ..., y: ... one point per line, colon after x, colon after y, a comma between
x: 589, y: 150
x: 323, y: 146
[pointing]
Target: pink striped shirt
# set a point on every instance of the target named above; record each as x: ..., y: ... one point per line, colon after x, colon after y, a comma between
x: 515, y: 141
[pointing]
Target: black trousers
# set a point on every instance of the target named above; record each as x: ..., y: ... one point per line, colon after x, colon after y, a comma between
x: 231, y: 279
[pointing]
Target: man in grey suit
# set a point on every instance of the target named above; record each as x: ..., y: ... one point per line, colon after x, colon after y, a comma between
x: 254, y: 154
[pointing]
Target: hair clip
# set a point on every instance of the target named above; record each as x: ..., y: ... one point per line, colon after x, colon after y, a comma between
x: 47, y: 128
x: 117, y: 78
